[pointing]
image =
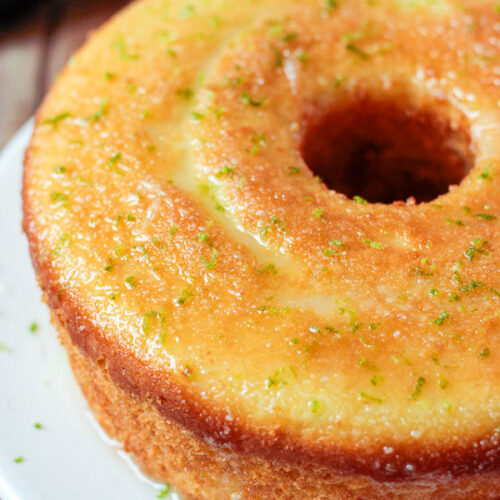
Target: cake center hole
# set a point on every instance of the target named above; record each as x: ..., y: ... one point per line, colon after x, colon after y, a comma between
x: 385, y: 153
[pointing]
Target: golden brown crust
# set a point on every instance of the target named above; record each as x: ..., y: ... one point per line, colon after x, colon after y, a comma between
x: 183, y: 305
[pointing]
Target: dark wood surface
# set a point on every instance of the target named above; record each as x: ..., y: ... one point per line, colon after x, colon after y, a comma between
x: 34, y: 46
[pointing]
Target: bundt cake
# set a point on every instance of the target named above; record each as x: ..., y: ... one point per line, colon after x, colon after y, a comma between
x: 267, y: 232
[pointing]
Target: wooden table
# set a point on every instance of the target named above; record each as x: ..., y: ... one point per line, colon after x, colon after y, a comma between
x: 34, y: 48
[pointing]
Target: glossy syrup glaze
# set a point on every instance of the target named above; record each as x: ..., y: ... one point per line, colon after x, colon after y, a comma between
x: 175, y: 225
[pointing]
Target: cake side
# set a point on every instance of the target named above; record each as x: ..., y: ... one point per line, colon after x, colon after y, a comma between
x: 169, y: 452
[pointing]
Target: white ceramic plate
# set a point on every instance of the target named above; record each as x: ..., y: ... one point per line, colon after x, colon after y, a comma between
x: 69, y: 457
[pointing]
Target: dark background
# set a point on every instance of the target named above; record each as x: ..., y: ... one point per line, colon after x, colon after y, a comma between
x: 36, y: 40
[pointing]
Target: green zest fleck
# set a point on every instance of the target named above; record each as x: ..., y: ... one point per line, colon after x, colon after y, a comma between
x: 214, y: 21
x: 112, y: 162
x: 164, y: 491
x: 477, y: 248
x: 453, y: 297
x: 293, y: 170
x: 360, y: 200
x: 263, y: 231
x: 276, y: 28
x: 447, y: 406
x: 313, y: 405
x: 103, y: 110
x: 114, y: 159
x: 337, y: 243
x: 64, y: 241
x: 275, y: 310
x: 484, y: 353
x: 278, y: 58
x: 485, y: 174
x: 329, y: 252
x: 131, y: 282
x: 472, y: 285
x: 54, y: 121
x: 270, y: 268
x: 252, y: 102
x: 275, y: 378
x: 38, y: 425
x: 338, y: 81
x: 173, y: 230
x: 110, y: 265
x: 318, y: 213
x: 439, y: 320
x: 278, y: 222
x: 364, y: 395
x: 186, y: 93
x: 85, y: 182
x: 237, y: 81
x: 209, y: 264
x: 457, y: 222
x: 59, y: 198
x: 303, y: 56
x: 120, y: 218
x: 225, y: 170
x: 443, y: 382
x: 373, y: 244
x: 418, y: 388
x: 456, y: 275
x: 186, y: 294
x: 150, y: 318
x: 186, y: 11
x: 61, y: 290
x: 356, y: 326
x: 331, y: 5
x: 60, y: 169
x: 33, y: 327
x: 196, y: 116
x: 218, y: 111
x: 19, y: 460
x: 258, y: 140
x: 109, y: 76
x: 123, y: 52
x: 486, y: 216
x: 351, y: 47
x: 367, y: 364
x: 204, y: 237
x: 289, y: 37
x: 4, y: 347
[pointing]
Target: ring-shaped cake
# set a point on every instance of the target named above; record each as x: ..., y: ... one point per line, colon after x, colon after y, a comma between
x: 267, y: 232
